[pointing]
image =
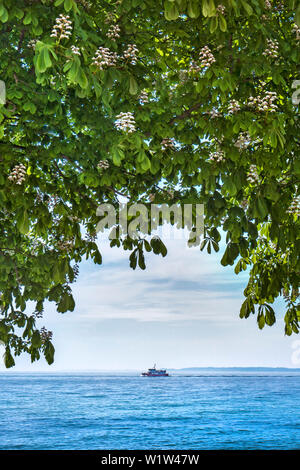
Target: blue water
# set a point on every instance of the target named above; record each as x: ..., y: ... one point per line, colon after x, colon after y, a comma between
x: 102, y: 412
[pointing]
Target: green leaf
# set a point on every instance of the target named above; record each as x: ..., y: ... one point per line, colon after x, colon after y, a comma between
x: 23, y: 222
x: 8, y: 358
x: 261, y: 321
x: 43, y: 61
x: 247, y: 7
x: 36, y: 339
x: 222, y: 23
x: 3, y: 14
x: 297, y: 17
x: 81, y: 79
x: 193, y: 9
x: 133, y: 86
x: 171, y: 11
x: 68, y: 4
x: 49, y: 352
x: 66, y: 303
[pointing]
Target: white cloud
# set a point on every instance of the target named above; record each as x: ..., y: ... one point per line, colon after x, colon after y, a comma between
x: 186, y: 285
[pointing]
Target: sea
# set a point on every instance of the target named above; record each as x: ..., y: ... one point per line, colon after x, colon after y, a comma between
x: 111, y: 412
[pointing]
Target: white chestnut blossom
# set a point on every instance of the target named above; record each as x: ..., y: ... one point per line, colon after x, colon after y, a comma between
x: 18, y: 174
x: 272, y: 48
x: 62, y: 28
x: 75, y: 50
x: 296, y: 30
x: 206, y: 57
x: 252, y: 176
x: 217, y: 156
x: 233, y: 107
x: 125, y: 122
x: 114, y: 32
x: 32, y: 44
x: 221, y: 9
x: 268, y: 5
x: 131, y: 53
x: 243, y: 141
x: 144, y: 97
x: 104, y: 58
x: 168, y: 143
x: 295, y: 206
x: 103, y: 165
x: 264, y: 103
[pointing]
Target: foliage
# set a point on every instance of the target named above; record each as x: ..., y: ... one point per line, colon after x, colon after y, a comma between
x: 208, y: 88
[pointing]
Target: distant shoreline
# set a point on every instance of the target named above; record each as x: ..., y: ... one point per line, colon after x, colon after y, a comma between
x: 185, y: 370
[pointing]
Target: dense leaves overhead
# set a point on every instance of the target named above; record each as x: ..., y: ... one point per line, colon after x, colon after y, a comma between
x: 182, y: 101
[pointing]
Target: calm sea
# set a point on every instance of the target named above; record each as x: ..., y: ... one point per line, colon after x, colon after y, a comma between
x: 107, y: 412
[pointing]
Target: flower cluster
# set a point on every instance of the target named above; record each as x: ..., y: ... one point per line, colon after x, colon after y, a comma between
x: 194, y: 67
x: 75, y: 50
x: 295, y: 206
x: 264, y: 103
x: 233, y: 107
x: 217, y: 157
x: 65, y: 245
x: 103, y: 165
x: 252, y: 176
x: 113, y: 32
x: 268, y: 4
x: 272, y: 48
x: 131, y: 53
x: 32, y: 44
x: 243, y: 141
x: 168, y: 143
x: 62, y: 28
x: 144, y: 97
x: 221, y: 9
x: 206, y: 57
x: 104, y: 58
x: 45, y: 335
x: 214, y: 113
x: 296, y: 29
x: 18, y: 174
x: 125, y: 122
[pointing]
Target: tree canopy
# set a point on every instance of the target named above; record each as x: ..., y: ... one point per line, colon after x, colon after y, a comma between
x: 176, y: 101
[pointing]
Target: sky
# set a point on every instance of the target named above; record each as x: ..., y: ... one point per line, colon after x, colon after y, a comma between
x: 183, y: 311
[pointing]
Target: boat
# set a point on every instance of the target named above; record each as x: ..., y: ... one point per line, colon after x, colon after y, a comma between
x: 155, y: 372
